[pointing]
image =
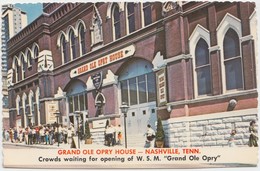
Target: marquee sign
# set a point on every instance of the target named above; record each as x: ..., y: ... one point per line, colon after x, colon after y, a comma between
x: 103, y: 61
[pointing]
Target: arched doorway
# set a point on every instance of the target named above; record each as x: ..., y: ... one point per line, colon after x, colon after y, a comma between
x: 76, y: 101
x: 137, y: 85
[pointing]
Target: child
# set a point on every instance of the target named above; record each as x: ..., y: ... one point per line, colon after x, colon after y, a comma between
x: 231, y: 141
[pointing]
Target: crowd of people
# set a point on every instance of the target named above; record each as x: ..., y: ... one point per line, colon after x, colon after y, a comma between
x: 46, y: 134
x: 50, y: 134
x: 113, y: 135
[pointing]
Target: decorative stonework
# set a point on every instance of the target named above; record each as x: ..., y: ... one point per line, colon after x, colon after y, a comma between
x: 96, y: 28
x: 10, y: 77
x: 158, y: 61
x: 60, y: 94
x: 45, y: 61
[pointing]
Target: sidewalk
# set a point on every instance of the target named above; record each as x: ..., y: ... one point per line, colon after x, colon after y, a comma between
x: 61, y: 145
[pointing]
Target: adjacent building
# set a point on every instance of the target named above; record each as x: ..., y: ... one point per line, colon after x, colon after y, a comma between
x: 13, y: 20
x: 193, y: 64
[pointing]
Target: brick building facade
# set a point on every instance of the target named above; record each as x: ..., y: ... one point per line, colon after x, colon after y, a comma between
x: 191, y: 63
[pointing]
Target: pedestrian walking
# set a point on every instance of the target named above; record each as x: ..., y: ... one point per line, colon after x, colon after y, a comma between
x: 150, y: 136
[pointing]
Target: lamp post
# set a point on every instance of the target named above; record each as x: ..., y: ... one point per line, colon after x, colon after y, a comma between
x: 124, y: 110
x: 57, y: 115
x: 77, y: 114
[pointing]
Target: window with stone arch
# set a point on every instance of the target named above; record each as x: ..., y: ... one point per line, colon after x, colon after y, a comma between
x: 137, y: 83
x: 63, y: 48
x: 232, y: 60
x: 202, y: 67
x: 35, y: 50
x: 18, y: 104
x: 31, y: 105
x: 23, y: 66
x: 116, y: 21
x: 72, y: 40
x: 199, y: 44
x: 82, y: 39
x: 29, y: 57
x: 229, y: 34
x: 16, y: 69
x: 130, y: 17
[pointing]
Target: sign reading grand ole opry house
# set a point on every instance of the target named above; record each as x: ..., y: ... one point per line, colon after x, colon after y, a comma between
x: 103, y: 61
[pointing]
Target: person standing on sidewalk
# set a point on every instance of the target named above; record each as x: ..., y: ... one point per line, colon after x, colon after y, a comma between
x: 11, y: 134
x: 26, y: 133
x: 47, y: 136
x: 42, y: 135
x: 65, y: 134
x: 253, y: 138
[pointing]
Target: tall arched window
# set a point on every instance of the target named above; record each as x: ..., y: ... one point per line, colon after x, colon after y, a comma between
x: 29, y: 58
x: 131, y: 17
x: 202, y: 67
x: 18, y: 100
x: 116, y: 21
x: 72, y: 44
x: 64, y: 53
x: 147, y: 13
x: 23, y: 67
x: 82, y: 40
x: 232, y: 61
x: 16, y: 70
x: 36, y: 53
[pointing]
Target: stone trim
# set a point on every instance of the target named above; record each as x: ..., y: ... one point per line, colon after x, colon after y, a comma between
x: 47, y: 99
x: 246, y: 38
x: 212, y: 116
x: 214, y: 48
x: 210, y: 98
x: 177, y: 58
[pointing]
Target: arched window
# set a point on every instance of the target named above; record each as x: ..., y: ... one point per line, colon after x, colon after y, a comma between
x: 72, y: 44
x: 202, y: 67
x: 18, y: 100
x: 116, y: 22
x: 77, y: 98
x: 36, y: 53
x: 16, y: 70
x: 131, y: 17
x: 64, y: 53
x: 138, y: 85
x: 23, y: 67
x: 147, y: 13
x: 29, y: 58
x: 232, y: 60
x: 31, y: 106
x: 82, y: 40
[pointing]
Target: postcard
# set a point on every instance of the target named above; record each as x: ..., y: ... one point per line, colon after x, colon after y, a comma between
x: 126, y: 85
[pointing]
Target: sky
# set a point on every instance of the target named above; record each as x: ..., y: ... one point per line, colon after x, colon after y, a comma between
x: 33, y: 10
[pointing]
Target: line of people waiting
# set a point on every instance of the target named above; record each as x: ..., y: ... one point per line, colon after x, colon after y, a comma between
x: 46, y: 134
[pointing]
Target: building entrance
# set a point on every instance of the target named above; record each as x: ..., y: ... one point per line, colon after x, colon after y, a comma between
x: 137, y: 84
x: 137, y: 119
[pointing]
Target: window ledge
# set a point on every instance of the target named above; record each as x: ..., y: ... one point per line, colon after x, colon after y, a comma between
x: 211, y: 98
